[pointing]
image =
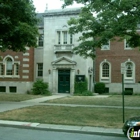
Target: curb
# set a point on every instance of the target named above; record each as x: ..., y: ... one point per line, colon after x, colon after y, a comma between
x: 37, y: 126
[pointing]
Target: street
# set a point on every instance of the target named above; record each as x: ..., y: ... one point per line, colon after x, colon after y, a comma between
x: 9, y: 133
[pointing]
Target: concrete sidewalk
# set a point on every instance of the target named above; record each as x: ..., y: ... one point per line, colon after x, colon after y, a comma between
x: 64, y: 128
x: 6, y: 106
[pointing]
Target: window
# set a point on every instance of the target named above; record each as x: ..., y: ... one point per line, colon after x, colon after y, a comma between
x: 105, y: 70
x: 1, y: 69
x: 16, y: 68
x: 106, y: 46
x: 129, y: 70
x: 126, y: 45
x: 40, y: 41
x: 13, y: 89
x: 64, y: 38
x: 129, y: 75
x: 9, y: 66
x: 59, y: 37
x: 2, y: 89
x: 40, y: 70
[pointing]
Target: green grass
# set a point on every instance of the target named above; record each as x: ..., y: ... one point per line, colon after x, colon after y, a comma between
x: 101, y: 117
x: 112, y: 100
x: 15, y: 97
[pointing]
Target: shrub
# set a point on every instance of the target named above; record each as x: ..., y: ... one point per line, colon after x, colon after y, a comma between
x: 128, y: 92
x: 80, y: 87
x: 40, y: 87
x: 99, y: 88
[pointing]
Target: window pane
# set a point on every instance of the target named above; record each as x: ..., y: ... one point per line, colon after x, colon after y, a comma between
x: 59, y: 37
x: 40, y: 41
x: 40, y: 69
x: 9, y: 66
x: 65, y: 37
x: 105, y: 70
x: 129, y: 70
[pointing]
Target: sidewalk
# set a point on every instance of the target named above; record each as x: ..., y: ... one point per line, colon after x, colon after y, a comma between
x: 6, y: 106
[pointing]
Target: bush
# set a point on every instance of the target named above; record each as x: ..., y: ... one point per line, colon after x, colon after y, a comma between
x: 80, y: 87
x: 40, y: 87
x: 128, y: 92
x: 99, y: 88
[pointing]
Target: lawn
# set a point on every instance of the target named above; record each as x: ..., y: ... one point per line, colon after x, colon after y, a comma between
x: 111, y: 100
x: 101, y: 117
x: 15, y: 97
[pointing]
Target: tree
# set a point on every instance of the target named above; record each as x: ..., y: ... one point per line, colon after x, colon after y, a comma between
x: 18, y: 25
x: 103, y: 20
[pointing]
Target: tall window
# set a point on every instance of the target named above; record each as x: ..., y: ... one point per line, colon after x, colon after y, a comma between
x: 40, y: 70
x: 105, y: 70
x: 129, y: 69
x: 16, y: 68
x: 59, y: 37
x: 63, y: 37
x: 40, y: 41
x: 1, y: 69
x: 9, y: 66
x: 127, y: 45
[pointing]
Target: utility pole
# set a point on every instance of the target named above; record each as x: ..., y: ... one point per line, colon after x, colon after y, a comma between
x: 123, y: 72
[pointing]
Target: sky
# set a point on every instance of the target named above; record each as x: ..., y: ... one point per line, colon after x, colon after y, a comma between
x: 40, y: 5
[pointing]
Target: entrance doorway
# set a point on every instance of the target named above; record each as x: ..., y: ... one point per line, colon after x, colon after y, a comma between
x: 63, y: 81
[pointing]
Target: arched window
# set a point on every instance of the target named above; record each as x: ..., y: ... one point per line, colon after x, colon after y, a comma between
x: 9, y: 66
x: 105, y: 70
x: 129, y: 69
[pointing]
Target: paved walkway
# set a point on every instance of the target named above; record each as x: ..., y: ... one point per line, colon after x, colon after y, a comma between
x: 6, y: 106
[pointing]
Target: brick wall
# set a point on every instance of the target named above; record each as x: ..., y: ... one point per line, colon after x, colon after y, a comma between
x: 26, y: 65
x: 117, y: 55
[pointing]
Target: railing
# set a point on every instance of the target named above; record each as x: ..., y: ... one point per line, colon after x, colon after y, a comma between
x: 63, y: 48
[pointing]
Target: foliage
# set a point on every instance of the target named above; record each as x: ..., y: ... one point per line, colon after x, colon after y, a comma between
x: 102, y: 20
x: 17, y: 25
x: 128, y: 92
x: 40, y: 87
x: 100, y: 87
x: 80, y: 87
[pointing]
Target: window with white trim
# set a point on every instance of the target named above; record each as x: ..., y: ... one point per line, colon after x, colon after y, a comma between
x: 129, y: 76
x: 9, y: 67
x: 127, y: 45
x: 106, y: 46
x: 105, y: 72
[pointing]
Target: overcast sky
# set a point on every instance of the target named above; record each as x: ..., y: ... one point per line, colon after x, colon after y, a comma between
x: 40, y: 5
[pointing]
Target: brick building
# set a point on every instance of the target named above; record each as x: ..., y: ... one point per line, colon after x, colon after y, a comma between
x: 108, y: 66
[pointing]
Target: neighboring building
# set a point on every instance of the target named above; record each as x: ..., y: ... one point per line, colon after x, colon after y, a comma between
x: 16, y: 71
x: 108, y: 66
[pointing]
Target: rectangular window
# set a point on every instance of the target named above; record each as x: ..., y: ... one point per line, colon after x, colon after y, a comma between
x: 59, y: 37
x: 16, y: 69
x: 13, y: 89
x: 40, y: 41
x: 106, y: 46
x: 1, y: 69
x: 2, y: 89
x: 126, y: 45
x: 64, y: 37
x: 71, y: 39
x: 40, y: 70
